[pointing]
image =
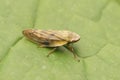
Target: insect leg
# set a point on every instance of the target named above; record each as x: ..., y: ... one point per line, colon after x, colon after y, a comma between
x: 72, y: 50
x: 51, y: 51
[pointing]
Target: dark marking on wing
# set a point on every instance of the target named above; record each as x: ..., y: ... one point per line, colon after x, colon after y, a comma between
x: 46, y: 43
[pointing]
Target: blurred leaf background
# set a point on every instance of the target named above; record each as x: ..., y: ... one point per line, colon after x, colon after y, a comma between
x: 96, y: 21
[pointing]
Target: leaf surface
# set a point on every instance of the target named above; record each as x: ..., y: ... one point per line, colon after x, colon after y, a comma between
x: 97, y: 22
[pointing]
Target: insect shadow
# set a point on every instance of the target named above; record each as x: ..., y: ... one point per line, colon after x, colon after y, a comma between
x: 68, y: 47
x: 59, y: 49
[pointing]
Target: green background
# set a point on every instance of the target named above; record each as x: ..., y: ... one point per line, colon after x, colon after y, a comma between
x: 96, y: 21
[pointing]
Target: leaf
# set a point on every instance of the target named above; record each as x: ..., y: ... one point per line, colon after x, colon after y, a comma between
x: 97, y: 22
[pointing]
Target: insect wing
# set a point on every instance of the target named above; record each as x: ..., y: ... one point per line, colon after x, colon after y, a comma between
x: 48, y: 38
x: 53, y: 38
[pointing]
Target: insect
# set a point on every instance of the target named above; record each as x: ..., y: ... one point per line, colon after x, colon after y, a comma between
x: 53, y: 39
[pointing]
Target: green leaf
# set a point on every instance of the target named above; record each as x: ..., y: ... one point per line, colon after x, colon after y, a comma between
x: 96, y: 21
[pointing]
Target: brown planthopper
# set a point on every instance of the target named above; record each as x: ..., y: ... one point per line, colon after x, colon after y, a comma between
x: 53, y: 38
